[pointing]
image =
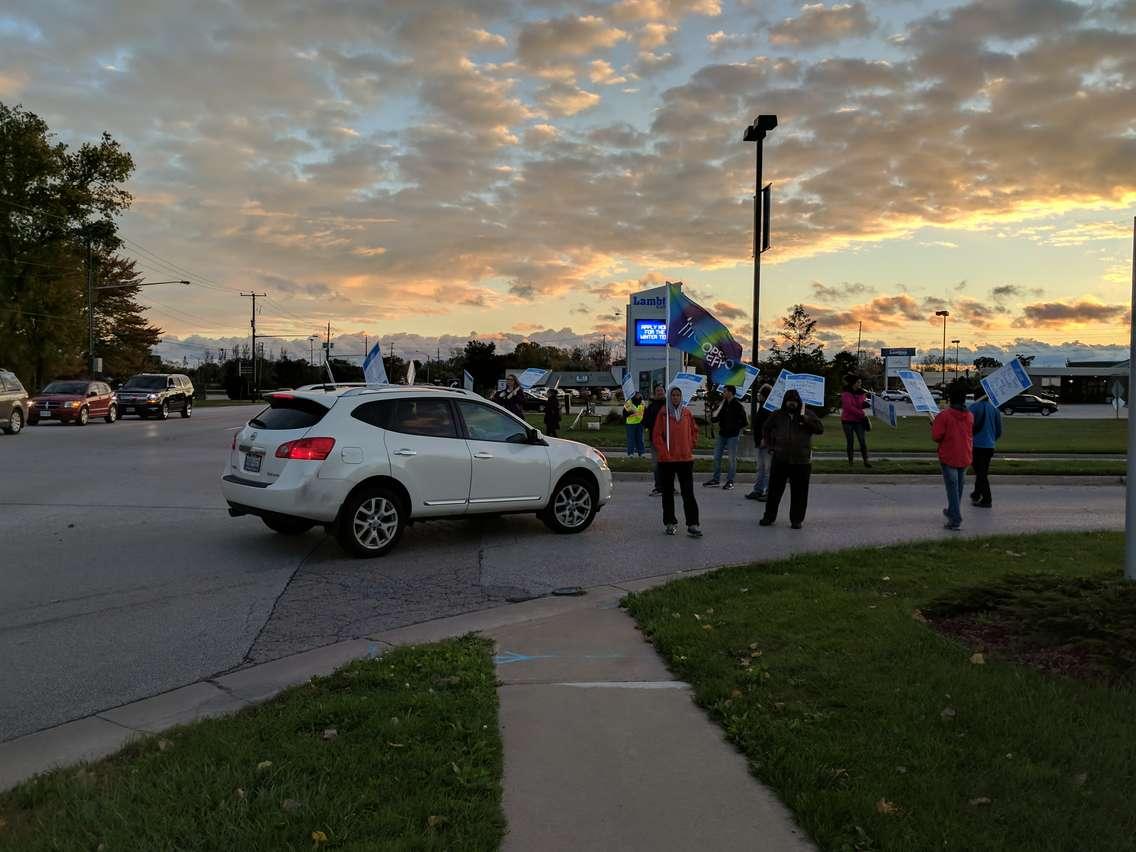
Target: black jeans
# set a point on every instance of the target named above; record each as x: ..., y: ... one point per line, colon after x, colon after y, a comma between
x: 981, y: 463
x: 685, y: 472
x: 859, y: 429
x: 797, y: 477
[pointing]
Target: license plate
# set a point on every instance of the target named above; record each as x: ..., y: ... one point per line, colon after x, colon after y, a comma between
x: 252, y: 463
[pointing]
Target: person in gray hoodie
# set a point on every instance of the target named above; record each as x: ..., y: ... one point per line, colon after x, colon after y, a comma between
x: 789, y: 436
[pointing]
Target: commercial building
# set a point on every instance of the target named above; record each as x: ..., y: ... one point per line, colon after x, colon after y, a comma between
x: 1081, y: 381
x: 647, y: 351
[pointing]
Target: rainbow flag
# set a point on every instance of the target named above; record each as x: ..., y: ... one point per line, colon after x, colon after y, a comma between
x: 694, y: 330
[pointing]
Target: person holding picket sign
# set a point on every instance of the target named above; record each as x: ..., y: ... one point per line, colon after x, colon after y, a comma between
x: 854, y: 421
x: 789, y: 435
x: 987, y: 431
x: 674, y: 435
x: 953, y: 430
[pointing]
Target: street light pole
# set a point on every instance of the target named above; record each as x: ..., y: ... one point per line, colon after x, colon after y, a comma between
x: 1129, y: 489
x: 944, y: 314
x: 756, y: 133
x: 92, y: 289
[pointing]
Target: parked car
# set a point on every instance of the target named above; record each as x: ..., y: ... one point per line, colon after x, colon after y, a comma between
x: 14, y: 403
x: 74, y: 401
x: 156, y: 395
x: 606, y: 395
x: 896, y: 396
x: 1027, y: 403
x: 533, y: 401
x: 366, y: 462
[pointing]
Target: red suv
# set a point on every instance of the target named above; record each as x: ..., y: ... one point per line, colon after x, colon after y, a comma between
x: 74, y: 401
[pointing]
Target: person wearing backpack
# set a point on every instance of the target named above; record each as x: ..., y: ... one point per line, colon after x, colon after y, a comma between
x: 987, y: 431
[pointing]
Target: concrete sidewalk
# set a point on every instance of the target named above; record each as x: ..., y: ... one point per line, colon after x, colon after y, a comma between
x: 605, y: 750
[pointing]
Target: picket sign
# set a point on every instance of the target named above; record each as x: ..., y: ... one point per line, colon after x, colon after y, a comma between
x: 810, y: 387
x: 1006, y: 382
x: 920, y: 394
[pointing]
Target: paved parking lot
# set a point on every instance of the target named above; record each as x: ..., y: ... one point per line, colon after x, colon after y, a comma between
x: 123, y: 575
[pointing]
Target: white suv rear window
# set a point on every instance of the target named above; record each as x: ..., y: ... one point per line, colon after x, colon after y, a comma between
x: 289, y: 413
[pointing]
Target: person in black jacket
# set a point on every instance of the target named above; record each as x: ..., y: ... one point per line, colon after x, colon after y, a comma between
x: 789, y: 435
x: 552, y: 413
x: 761, y: 452
x: 657, y: 404
x: 731, y: 419
x: 512, y: 397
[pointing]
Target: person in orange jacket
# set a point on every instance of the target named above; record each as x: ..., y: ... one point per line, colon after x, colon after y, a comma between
x: 953, y: 430
x: 674, y: 436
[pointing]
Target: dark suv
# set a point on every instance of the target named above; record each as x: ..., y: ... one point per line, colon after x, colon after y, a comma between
x: 13, y: 403
x: 1027, y: 402
x: 156, y: 395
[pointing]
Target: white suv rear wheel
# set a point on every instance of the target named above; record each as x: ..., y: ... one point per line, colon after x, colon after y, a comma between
x: 371, y: 522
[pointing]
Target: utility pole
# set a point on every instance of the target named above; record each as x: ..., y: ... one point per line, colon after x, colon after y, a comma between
x: 90, y: 311
x: 254, y: 296
x: 859, y: 337
x: 327, y: 346
x: 956, y: 343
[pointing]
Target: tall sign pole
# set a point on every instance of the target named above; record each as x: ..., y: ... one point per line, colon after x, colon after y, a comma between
x: 756, y: 133
x: 1129, y: 490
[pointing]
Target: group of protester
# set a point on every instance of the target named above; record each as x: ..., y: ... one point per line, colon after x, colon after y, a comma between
x: 966, y: 436
x: 783, y: 443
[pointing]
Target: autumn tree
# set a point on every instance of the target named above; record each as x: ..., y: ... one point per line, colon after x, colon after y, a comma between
x: 798, y: 349
x: 58, y: 207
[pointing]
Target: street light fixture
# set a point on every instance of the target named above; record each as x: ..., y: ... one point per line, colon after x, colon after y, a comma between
x: 955, y: 341
x: 756, y: 132
x: 91, y: 290
x: 944, y: 315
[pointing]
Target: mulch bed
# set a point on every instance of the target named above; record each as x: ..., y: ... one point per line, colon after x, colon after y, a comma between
x: 1073, y: 627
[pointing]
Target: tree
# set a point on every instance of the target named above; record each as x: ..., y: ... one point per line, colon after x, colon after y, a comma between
x: 481, y: 360
x: 54, y: 203
x: 798, y: 350
x: 599, y: 356
x: 123, y: 335
x: 984, y: 362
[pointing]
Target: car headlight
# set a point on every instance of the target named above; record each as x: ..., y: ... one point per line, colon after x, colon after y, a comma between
x: 596, y: 456
x: 72, y: 404
x: 153, y: 397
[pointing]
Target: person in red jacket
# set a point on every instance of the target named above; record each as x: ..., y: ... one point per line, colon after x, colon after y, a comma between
x: 674, y: 435
x: 953, y: 430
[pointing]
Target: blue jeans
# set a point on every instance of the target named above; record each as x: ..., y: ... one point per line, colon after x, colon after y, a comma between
x: 729, y: 445
x: 635, y: 439
x: 955, y: 480
x: 761, y: 459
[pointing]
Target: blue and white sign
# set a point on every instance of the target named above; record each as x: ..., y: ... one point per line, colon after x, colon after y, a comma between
x: 467, y: 380
x: 374, y: 372
x: 751, y: 374
x: 688, y: 383
x: 917, y: 389
x: 1006, y: 382
x: 650, y: 332
x: 629, y: 387
x: 810, y: 387
x: 532, y: 376
x: 883, y: 410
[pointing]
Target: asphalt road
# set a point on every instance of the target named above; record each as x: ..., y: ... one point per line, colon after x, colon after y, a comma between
x: 123, y: 576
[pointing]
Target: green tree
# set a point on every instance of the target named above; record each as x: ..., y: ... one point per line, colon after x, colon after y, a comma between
x: 124, y: 337
x: 481, y: 360
x: 984, y: 362
x: 55, y: 202
x: 798, y: 350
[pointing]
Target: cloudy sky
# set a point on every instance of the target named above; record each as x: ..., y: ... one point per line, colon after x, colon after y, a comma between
x: 425, y: 169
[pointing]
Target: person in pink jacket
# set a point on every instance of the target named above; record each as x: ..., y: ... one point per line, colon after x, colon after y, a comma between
x: 854, y: 421
x: 953, y: 430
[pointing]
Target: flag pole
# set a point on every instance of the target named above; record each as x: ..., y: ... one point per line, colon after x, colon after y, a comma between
x: 667, y: 370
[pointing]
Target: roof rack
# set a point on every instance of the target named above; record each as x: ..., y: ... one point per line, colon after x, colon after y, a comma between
x: 391, y: 388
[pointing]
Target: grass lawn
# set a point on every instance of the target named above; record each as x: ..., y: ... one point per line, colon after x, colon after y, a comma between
x: 1041, y: 467
x: 1022, y: 434
x: 879, y: 732
x: 400, y: 752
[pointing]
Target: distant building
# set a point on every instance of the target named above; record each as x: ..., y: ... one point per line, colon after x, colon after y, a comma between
x: 1081, y: 381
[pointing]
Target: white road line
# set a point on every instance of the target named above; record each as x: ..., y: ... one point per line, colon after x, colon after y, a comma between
x: 628, y: 684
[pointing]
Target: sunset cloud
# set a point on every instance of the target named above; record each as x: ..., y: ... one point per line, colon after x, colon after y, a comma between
x: 1058, y: 314
x: 819, y: 24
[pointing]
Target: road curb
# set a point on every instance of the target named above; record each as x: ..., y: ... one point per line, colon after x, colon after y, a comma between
x: 912, y: 479
x: 104, y: 733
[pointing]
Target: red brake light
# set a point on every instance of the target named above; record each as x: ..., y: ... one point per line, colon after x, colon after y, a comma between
x: 306, y: 449
x: 280, y: 396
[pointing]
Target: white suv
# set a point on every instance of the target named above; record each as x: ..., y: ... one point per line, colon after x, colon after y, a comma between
x: 365, y: 462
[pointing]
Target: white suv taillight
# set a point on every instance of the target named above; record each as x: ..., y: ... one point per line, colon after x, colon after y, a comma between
x: 306, y: 449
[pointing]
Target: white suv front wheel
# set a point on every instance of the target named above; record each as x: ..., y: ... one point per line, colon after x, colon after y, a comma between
x: 371, y: 522
x: 572, y: 507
